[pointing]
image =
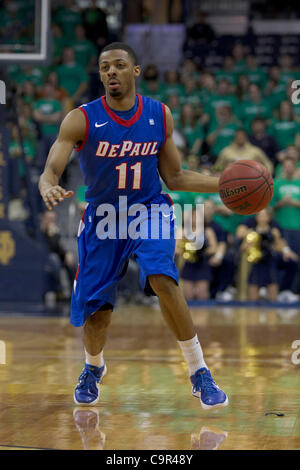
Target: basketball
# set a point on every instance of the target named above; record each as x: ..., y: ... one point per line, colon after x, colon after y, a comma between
x: 246, y: 187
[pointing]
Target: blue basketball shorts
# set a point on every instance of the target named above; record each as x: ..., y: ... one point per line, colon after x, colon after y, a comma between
x: 103, y: 261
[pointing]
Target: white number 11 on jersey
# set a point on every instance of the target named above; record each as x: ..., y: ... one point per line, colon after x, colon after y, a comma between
x: 137, y: 175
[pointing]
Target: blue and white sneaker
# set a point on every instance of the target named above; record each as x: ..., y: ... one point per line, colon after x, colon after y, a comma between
x: 87, y: 390
x: 205, y: 388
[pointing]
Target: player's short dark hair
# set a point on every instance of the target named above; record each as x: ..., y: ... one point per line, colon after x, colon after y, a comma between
x: 124, y: 47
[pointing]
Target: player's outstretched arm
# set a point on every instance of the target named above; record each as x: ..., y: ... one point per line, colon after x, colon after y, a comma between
x: 174, y: 176
x: 71, y: 132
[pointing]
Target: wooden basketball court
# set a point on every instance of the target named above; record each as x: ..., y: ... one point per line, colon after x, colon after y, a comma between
x: 146, y: 400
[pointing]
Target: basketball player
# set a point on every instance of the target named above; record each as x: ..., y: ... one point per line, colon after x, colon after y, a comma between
x: 124, y: 142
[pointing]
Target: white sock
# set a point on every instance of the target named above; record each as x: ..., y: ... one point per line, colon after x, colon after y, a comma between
x: 97, y: 360
x: 193, y: 354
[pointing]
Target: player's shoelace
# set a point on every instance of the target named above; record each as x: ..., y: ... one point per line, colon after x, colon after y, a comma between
x: 205, y: 382
x: 87, y: 378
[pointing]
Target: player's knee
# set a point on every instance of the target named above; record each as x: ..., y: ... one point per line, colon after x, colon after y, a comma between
x: 100, y: 320
x: 162, y: 285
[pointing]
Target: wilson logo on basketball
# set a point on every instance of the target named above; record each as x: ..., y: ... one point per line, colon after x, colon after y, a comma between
x: 227, y: 192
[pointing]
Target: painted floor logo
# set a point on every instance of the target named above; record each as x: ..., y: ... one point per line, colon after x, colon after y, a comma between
x: 2, y: 92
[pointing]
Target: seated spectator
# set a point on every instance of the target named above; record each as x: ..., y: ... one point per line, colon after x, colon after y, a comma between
x: 264, y: 141
x: 242, y: 87
x: 241, y: 149
x: 60, y: 94
x: 59, y: 258
x: 223, y: 97
x: 16, y: 162
x: 227, y: 73
x: 286, y: 203
x: 174, y: 104
x: 191, y: 129
x: 275, y: 90
x: 288, y: 71
x: 28, y: 93
x: 285, y: 129
x: 48, y: 114
x: 208, y: 86
x: 27, y: 124
x: 198, y: 38
x: 189, y: 69
x: 86, y: 54
x: 151, y: 85
x: 263, y: 271
x: 190, y: 93
x: 221, y: 132
x: 59, y: 43
x: 173, y: 84
x: 72, y: 77
x: 67, y: 17
x: 200, y: 32
x: 254, y: 106
x: 255, y: 73
x: 290, y: 152
x: 238, y: 54
x: 95, y: 24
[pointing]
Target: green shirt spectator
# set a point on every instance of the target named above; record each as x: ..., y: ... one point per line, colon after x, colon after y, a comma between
x: 222, y: 131
x: 175, y: 108
x: 72, y: 77
x: 85, y: 51
x: 154, y: 89
x: 285, y: 132
x: 286, y: 202
x: 240, y: 66
x: 48, y: 107
x: 218, y: 100
x: 227, y: 72
x: 249, y: 110
x: 68, y: 19
x: 254, y: 106
x: 191, y: 128
x: 257, y: 76
x: 173, y: 85
x: 194, y: 136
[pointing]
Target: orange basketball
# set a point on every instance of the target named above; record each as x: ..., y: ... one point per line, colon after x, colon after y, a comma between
x: 246, y: 187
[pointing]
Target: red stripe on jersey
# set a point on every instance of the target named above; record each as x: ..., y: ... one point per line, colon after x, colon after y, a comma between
x: 165, y: 121
x: 171, y: 200
x: 118, y: 119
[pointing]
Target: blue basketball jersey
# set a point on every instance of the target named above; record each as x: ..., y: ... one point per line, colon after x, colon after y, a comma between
x: 119, y: 157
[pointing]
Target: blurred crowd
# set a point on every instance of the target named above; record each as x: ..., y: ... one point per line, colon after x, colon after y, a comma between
x: 240, y: 111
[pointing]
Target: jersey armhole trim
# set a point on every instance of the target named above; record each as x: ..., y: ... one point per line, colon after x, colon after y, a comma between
x: 86, y: 130
x: 165, y: 122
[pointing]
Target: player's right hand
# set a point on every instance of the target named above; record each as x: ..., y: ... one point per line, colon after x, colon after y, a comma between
x: 54, y: 195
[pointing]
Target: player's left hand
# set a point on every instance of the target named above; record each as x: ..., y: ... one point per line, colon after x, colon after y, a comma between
x: 54, y: 195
